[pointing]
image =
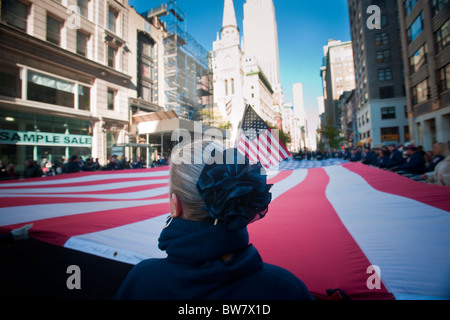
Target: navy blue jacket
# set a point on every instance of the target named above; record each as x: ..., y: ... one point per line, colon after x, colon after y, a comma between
x: 395, y: 159
x: 414, y: 164
x: 194, y: 269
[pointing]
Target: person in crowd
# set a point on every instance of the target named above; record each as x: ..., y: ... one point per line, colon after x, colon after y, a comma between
x: 88, y: 165
x: 441, y: 173
x: 32, y: 170
x: 209, y: 256
x: 415, y: 163
x: 395, y: 158
x: 369, y: 157
x: 3, y: 171
x: 439, y: 151
x: 383, y: 159
x: 138, y: 164
x: 96, y: 164
x: 73, y: 165
x: 113, y: 163
x: 355, y: 155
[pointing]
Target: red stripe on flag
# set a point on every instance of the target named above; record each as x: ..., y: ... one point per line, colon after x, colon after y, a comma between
x: 391, y: 182
x: 58, y: 230
x: 30, y: 201
x: 303, y: 233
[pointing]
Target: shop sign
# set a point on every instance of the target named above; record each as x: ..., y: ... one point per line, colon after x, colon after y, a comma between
x: 44, y: 138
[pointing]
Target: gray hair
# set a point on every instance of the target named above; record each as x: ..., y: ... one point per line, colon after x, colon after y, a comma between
x: 184, y: 177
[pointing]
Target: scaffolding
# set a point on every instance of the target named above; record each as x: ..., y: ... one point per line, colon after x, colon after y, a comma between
x: 188, y: 78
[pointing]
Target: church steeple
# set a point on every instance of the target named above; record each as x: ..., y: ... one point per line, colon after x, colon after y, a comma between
x: 229, y: 25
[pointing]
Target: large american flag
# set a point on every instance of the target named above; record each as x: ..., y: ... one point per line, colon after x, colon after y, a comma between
x: 329, y: 223
x: 259, y: 142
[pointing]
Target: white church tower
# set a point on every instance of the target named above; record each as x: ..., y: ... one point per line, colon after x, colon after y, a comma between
x: 228, y: 74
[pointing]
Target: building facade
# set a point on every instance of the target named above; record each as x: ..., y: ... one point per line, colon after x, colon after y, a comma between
x: 238, y: 78
x: 261, y: 37
x: 338, y: 76
x: 64, y: 79
x: 425, y: 37
x: 380, y: 100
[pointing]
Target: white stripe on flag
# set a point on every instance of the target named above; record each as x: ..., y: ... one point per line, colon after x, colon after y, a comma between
x: 89, y: 178
x: 22, y: 214
x: 130, y: 243
x: 89, y: 188
x: 402, y: 236
x: 136, y: 195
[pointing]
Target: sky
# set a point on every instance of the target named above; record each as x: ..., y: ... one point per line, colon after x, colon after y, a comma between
x: 304, y: 27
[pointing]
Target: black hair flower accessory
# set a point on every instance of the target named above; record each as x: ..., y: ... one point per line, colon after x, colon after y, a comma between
x: 235, y: 193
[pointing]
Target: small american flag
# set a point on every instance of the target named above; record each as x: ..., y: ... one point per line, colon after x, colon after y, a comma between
x: 259, y: 142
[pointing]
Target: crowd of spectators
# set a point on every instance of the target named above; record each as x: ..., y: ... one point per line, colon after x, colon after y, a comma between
x: 33, y: 169
x: 411, y: 161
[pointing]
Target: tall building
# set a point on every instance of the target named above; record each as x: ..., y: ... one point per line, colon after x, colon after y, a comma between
x: 379, y: 73
x: 337, y: 74
x: 300, y: 115
x: 64, y: 79
x: 261, y: 37
x: 238, y: 79
x: 186, y: 74
x: 425, y: 36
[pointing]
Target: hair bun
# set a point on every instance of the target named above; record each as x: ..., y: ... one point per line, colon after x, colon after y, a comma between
x: 235, y: 193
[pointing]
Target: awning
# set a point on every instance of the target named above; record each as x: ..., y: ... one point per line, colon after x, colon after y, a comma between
x: 155, y: 116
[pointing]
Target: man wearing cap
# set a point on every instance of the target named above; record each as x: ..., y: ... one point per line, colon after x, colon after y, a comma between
x: 395, y: 158
x: 415, y: 163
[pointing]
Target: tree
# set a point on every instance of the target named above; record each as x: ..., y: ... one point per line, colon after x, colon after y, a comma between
x: 331, y: 135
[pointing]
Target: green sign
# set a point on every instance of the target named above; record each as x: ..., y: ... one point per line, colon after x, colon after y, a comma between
x: 44, y: 139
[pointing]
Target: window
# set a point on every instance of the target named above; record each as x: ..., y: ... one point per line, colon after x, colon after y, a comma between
x: 390, y: 134
x: 444, y: 78
x: 384, y: 56
x: 84, y: 7
x: 112, y: 57
x: 232, y: 86
x: 82, y: 43
x: 384, y: 21
x: 388, y: 113
x: 54, y: 30
x: 385, y: 74
x: 381, y: 39
x: 420, y: 92
x: 416, y: 28
x: 443, y: 36
x: 10, y: 82
x: 111, y: 99
x: 438, y: 5
x: 84, y: 98
x: 226, y: 87
x: 148, y: 69
x: 387, y: 92
x: 409, y: 5
x: 112, y: 19
x: 418, y: 59
x: 15, y: 13
x: 48, y: 89
x: 52, y: 90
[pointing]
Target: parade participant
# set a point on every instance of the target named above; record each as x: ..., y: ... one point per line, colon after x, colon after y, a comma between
x: 206, y: 238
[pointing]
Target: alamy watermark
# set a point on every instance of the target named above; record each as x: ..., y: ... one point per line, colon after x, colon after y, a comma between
x: 374, y: 21
x: 374, y: 281
x: 74, y: 280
